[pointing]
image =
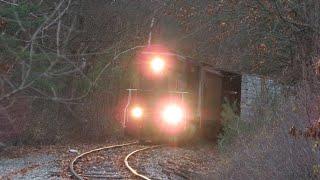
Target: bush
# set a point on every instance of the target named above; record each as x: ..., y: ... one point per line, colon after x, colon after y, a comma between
x: 232, y: 125
x: 267, y: 150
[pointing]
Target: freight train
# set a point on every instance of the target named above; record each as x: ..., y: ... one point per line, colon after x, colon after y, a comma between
x: 173, y: 97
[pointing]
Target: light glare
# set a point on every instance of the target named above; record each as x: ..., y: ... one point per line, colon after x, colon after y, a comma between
x: 157, y: 64
x: 137, y: 112
x: 173, y: 114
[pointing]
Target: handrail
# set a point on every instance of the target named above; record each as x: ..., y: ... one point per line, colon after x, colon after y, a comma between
x: 173, y: 92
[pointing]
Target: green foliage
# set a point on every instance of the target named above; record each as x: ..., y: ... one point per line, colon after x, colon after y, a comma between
x: 232, y: 125
x: 82, y: 86
x: 19, y: 16
x: 49, y: 85
x: 19, y: 24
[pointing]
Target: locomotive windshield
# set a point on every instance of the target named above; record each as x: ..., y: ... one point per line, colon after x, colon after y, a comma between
x: 159, y: 73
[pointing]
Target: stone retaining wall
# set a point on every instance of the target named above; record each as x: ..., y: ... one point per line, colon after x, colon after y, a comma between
x: 257, y: 90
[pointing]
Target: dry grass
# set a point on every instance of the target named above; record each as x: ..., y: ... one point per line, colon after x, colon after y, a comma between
x: 269, y: 151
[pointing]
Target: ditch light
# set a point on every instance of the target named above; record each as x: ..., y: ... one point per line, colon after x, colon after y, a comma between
x: 137, y: 112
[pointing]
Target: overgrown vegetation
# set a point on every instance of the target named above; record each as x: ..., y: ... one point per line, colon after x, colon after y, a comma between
x: 232, y: 125
x: 67, y: 65
x: 64, y: 66
x: 268, y: 150
x: 281, y: 41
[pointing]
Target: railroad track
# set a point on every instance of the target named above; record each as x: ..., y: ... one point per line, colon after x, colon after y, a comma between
x: 113, y: 174
x: 133, y: 171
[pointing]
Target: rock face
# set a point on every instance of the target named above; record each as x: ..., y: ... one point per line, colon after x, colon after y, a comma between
x: 256, y: 89
x: 2, y: 146
x: 13, y: 119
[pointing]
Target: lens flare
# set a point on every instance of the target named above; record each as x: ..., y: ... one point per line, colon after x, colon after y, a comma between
x: 137, y: 112
x: 157, y: 64
x: 173, y: 114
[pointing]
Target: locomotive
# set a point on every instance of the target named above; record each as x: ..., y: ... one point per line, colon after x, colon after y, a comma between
x: 173, y: 97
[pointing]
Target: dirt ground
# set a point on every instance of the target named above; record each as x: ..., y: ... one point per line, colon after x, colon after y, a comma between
x: 51, y: 162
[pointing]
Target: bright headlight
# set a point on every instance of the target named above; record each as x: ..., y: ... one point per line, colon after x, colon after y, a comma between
x: 157, y: 64
x: 173, y: 114
x: 137, y: 112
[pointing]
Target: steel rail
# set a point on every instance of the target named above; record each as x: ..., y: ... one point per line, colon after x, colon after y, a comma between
x: 133, y: 171
x: 71, y: 165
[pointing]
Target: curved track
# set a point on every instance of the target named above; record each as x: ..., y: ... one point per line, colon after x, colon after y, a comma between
x: 72, y: 163
x: 133, y: 171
